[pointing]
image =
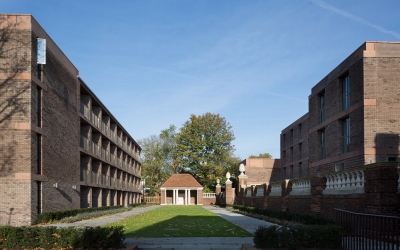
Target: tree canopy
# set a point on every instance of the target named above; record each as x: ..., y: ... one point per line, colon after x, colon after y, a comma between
x: 204, y: 147
x: 264, y: 155
x: 158, y: 159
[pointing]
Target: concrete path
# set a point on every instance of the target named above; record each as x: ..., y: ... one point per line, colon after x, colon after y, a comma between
x: 248, y: 223
x: 181, y: 243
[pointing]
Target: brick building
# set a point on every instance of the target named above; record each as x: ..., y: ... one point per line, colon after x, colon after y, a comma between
x: 261, y: 170
x: 181, y: 189
x: 353, y: 116
x: 60, y: 148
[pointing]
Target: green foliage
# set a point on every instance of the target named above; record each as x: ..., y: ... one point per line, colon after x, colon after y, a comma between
x: 59, y: 238
x: 286, y: 216
x: 58, y: 215
x: 298, y: 235
x: 204, y: 148
x: 159, y: 159
x: 264, y: 155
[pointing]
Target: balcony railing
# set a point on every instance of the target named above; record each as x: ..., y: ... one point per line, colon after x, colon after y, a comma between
x: 85, y: 111
x: 85, y: 143
x: 85, y: 175
x: 95, y: 120
x: 105, y: 129
x: 96, y: 149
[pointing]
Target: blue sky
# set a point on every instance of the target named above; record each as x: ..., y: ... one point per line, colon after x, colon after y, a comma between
x: 153, y: 63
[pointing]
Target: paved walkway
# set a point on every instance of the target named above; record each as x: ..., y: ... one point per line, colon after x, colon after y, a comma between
x: 181, y: 243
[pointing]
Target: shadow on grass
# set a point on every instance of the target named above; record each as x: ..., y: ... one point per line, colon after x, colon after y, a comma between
x: 184, y: 226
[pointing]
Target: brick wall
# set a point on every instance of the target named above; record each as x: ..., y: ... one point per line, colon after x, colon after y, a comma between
x: 379, y: 195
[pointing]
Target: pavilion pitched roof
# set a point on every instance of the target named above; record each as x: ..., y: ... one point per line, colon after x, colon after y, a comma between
x: 181, y: 180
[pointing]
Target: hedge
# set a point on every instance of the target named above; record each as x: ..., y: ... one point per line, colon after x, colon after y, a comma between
x: 60, y: 238
x: 58, y: 215
x: 286, y: 216
x: 297, y: 236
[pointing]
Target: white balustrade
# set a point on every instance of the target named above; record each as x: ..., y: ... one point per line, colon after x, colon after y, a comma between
x: 301, y: 187
x: 248, y: 192
x: 208, y: 195
x: 276, y: 189
x: 349, y: 182
x: 260, y: 190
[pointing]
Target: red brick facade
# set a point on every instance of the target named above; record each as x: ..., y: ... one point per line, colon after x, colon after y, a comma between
x: 353, y: 115
x: 60, y: 147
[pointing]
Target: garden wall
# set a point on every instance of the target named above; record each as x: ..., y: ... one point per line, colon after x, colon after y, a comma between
x: 371, y: 189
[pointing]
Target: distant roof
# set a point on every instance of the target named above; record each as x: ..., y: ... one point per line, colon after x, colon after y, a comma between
x: 181, y: 180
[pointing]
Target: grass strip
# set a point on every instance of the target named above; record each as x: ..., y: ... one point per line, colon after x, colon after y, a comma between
x: 179, y: 221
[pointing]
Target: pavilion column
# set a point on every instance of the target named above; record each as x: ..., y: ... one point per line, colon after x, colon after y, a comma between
x: 188, y: 197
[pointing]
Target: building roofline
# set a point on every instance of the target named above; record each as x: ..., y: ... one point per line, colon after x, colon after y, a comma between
x: 87, y: 88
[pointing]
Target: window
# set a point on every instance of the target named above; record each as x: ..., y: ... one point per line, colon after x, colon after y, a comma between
x: 283, y: 140
x: 291, y: 171
x: 291, y: 154
x: 346, y: 135
x: 39, y: 197
x: 345, y: 92
x: 322, y: 107
x: 38, y: 106
x: 291, y: 136
x: 300, y: 151
x: 299, y: 128
x: 284, y: 157
x: 38, y: 154
x: 283, y: 173
x: 394, y: 159
x: 323, y: 140
x: 300, y: 169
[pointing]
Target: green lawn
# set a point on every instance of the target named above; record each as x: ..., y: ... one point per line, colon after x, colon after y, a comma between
x: 180, y: 221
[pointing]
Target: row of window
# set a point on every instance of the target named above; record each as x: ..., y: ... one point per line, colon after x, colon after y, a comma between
x: 345, y: 82
x: 345, y: 142
x: 291, y: 159
x: 291, y: 171
x: 291, y: 133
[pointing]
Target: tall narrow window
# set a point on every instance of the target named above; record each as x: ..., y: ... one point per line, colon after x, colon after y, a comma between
x: 39, y: 197
x: 300, y: 151
x: 284, y: 157
x: 38, y: 106
x: 291, y: 171
x: 283, y: 140
x: 291, y: 136
x: 346, y: 135
x: 345, y: 92
x: 299, y: 128
x: 283, y: 173
x: 322, y: 107
x: 323, y: 140
x: 300, y: 169
x: 38, y: 153
x: 291, y: 154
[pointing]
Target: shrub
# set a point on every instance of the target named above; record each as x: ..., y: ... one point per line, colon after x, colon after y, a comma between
x: 58, y: 238
x: 297, y: 235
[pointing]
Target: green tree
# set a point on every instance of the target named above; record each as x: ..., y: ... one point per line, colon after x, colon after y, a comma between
x: 264, y: 155
x: 159, y: 161
x: 204, y: 147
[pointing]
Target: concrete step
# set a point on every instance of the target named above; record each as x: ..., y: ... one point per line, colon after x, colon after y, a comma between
x: 191, y: 243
